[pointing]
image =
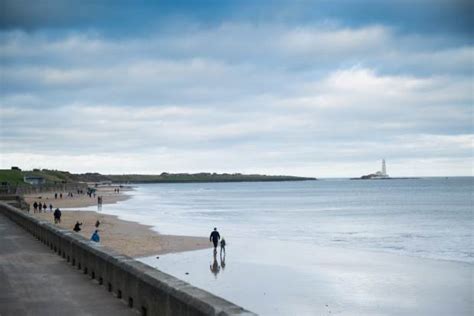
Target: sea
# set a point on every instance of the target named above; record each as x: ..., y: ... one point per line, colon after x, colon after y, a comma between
x: 285, y: 238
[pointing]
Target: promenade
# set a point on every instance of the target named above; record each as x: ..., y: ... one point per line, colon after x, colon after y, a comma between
x: 36, y: 281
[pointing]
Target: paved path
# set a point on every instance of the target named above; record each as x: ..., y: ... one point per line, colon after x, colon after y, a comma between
x: 36, y: 281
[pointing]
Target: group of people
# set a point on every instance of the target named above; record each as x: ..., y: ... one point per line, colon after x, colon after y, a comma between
x: 91, y: 194
x: 69, y: 194
x: 95, y: 235
x: 41, y: 207
x: 215, y: 237
x: 215, y: 267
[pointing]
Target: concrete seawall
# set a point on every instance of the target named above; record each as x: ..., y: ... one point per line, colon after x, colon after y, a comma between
x: 143, y: 288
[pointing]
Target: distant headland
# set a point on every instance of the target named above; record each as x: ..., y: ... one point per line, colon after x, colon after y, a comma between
x: 15, y: 176
x: 379, y: 175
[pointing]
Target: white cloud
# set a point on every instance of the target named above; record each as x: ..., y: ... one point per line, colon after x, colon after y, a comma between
x: 237, y: 97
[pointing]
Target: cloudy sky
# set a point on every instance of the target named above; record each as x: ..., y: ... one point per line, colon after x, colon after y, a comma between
x: 314, y: 88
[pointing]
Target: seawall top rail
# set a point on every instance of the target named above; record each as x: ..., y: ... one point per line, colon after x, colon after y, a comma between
x: 144, y: 288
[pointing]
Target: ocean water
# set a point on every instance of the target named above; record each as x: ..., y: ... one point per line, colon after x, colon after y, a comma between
x: 328, y: 247
x: 429, y: 217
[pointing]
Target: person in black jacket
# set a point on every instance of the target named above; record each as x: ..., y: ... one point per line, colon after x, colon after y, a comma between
x: 77, y: 227
x: 57, y: 216
x: 215, y: 238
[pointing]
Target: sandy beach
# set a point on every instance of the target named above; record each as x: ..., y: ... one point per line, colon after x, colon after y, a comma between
x: 79, y: 200
x: 126, y: 237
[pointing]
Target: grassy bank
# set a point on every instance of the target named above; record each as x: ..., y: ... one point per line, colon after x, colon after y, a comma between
x: 16, y: 177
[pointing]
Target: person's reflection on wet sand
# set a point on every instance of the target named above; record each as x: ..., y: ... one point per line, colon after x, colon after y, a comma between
x: 215, y: 268
x: 223, y: 261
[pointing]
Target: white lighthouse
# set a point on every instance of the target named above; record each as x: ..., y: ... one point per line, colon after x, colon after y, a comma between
x: 382, y: 174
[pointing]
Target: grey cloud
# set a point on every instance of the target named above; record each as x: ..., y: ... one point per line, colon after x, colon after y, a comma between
x: 236, y: 97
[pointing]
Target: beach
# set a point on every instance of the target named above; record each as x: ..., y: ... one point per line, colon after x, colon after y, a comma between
x: 308, y: 248
x: 107, y: 193
x: 327, y: 247
x: 126, y: 237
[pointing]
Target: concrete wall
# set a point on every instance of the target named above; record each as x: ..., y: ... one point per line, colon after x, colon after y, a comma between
x: 16, y: 201
x: 145, y: 289
x: 48, y: 187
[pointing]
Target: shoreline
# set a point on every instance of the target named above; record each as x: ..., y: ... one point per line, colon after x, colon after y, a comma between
x: 126, y: 237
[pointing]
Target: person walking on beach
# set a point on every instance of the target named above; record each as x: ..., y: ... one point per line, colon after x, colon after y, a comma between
x: 57, y: 216
x: 35, y: 207
x: 214, y: 237
x: 50, y: 207
x: 95, y: 236
x: 223, y: 245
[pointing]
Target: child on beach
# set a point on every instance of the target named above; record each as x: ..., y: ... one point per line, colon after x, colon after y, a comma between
x: 77, y: 227
x: 95, y: 236
x: 223, y: 245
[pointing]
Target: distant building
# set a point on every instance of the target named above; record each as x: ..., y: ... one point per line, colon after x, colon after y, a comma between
x: 16, y: 168
x: 34, y: 180
x: 382, y: 174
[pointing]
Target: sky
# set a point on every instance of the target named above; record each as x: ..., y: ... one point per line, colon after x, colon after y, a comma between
x: 311, y: 88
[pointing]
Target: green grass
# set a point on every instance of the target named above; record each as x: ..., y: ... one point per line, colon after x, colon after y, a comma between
x: 13, y: 177
x: 52, y: 176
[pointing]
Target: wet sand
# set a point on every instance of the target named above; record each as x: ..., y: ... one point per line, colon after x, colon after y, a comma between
x: 279, y: 278
x: 129, y: 238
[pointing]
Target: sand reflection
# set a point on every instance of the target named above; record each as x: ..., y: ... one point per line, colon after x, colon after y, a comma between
x: 215, y: 267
